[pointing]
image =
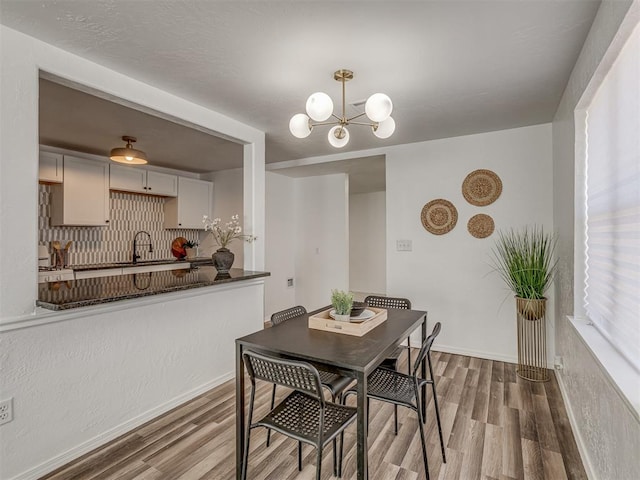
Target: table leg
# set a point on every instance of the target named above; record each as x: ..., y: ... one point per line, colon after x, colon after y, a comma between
x: 240, y: 420
x: 362, y: 426
x: 423, y: 369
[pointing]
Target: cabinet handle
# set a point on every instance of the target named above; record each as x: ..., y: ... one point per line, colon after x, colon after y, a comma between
x: 144, y: 188
x: 179, y: 224
x: 106, y: 221
x: 149, y: 188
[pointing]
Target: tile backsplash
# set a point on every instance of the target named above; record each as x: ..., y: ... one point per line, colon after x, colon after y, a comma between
x: 130, y: 213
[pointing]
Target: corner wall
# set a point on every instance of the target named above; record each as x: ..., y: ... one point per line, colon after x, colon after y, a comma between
x: 368, y: 243
x: 322, y: 238
x: 607, y: 432
x: 280, y: 243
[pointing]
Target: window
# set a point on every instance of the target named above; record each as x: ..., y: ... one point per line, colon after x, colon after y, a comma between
x: 612, y: 205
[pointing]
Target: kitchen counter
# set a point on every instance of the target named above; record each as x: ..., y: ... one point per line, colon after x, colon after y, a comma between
x: 70, y: 294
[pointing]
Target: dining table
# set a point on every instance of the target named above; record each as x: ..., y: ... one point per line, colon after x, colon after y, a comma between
x: 349, y: 355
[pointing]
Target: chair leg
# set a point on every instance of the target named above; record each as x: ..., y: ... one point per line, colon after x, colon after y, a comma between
x: 422, y: 441
x: 395, y: 417
x: 299, y: 456
x: 335, y: 443
x: 319, y: 462
x: 339, y: 475
x: 273, y: 402
x: 435, y: 402
x: 408, y: 355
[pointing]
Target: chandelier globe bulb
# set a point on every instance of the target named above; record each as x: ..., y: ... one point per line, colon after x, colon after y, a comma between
x: 319, y: 106
x: 300, y: 125
x: 338, y: 136
x: 378, y: 107
x: 385, y: 129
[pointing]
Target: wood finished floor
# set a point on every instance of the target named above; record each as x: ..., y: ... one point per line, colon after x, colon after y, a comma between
x: 496, y: 426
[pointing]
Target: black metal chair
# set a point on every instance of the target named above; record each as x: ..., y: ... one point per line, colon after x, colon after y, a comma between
x: 394, y: 387
x: 333, y: 382
x: 303, y: 415
x: 392, y: 360
x: 399, y: 303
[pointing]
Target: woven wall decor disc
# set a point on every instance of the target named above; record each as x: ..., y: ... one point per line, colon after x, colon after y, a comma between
x: 481, y: 187
x: 481, y: 225
x: 439, y: 216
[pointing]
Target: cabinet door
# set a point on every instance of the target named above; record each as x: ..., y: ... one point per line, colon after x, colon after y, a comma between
x: 83, y: 198
x: 162, y: 184
x: 50, y: 169
x: 127, y: 178
x: 193, y: 201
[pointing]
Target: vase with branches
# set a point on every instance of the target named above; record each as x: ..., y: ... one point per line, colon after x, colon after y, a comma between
x: 223, y: 234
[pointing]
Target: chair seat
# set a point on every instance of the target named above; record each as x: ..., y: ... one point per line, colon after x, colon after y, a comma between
x: 391, y: 386
x: 334, y: 382
x: 297, y: 416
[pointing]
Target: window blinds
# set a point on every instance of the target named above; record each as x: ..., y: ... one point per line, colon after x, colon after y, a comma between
x: 612, y: 250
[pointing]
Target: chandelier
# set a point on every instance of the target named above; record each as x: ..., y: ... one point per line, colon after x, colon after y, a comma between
x: 319, y: 108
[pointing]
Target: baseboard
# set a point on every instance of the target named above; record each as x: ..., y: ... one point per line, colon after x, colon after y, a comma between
x: 475, y: 353
x: 66, y: 457
x: 582, y: 448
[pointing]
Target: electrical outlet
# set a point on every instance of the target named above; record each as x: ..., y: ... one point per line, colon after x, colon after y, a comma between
x: 403, y: 245
x: 289, y: 282
x: 6, y: 411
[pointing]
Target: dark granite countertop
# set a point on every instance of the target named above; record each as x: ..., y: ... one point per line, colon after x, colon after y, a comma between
x: 94, y: 291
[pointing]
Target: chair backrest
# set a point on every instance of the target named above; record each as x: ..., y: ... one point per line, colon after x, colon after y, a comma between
x: 426, y: 347
x: 287, y: 314
x: 293, y: 374
x: 388, y: 302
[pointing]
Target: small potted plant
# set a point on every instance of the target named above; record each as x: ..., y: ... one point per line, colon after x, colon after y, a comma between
x: 342, y: 303
x: 190, y: 249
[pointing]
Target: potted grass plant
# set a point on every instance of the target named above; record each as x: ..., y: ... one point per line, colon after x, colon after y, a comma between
x: 525, y: 261
x: 342, y: 303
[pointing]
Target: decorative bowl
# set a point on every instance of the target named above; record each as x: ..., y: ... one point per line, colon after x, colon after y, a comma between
x: 357, y: 308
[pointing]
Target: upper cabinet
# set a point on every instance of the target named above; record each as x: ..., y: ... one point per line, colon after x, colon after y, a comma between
x: 195, y: 198
x: 83, y: 198
x: 50, y: 170
x: 139, y: 180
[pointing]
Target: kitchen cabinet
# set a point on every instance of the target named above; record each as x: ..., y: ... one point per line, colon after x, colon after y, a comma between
x: 50, y: 168
x: 195, y: 198
x: 83, y: 198
x: 140, y: 180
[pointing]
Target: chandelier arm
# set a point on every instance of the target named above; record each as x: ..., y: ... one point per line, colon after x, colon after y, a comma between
x: 326, y: 123
x: 363, y: 123
x: 336, y: 117
x: 356, y: 116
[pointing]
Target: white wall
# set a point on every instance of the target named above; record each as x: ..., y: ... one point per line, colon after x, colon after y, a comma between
x: 368, y: 242
x: 227, y: 201
x: 322, y: 238
x: 69, y: 379
x: 606, y: 430
x: 280, y: 243
x: 449, y: 275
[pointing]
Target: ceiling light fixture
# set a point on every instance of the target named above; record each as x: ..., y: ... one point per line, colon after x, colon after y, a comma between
x: 128, y: 154
x: 320, y: 108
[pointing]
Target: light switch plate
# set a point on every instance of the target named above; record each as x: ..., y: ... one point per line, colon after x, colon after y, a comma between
x: 404, y: 245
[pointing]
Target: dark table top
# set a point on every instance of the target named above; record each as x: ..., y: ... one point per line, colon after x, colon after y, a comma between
x: 94, y: 291
x: 295, y: 339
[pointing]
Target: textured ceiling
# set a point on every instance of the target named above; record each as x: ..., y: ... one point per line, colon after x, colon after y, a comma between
x: 451, y: 67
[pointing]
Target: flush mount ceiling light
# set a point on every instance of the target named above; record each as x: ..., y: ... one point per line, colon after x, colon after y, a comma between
x: 128, y: 154
x: 320, y: 108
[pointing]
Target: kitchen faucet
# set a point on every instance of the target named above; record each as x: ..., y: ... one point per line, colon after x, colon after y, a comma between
x: 136, y: 245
